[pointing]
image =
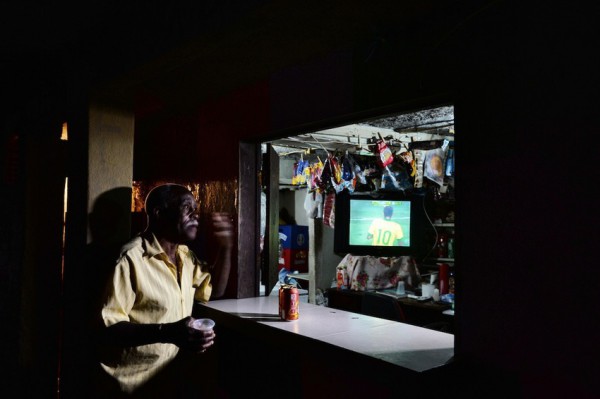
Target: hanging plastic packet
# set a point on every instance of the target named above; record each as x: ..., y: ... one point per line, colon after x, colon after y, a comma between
x: 360, y: 175
x: 336, y: 169
x: 347, y: 169
x: 408, y: 158
x: 295, y: 174
x: 299, y: 177
x: 286, y: 279
x: 315, y: 172
x: 336, y: 174
x: 306, y: 172
x: 313, y: 204
x: 310, y: 205
x: 323, y: 180
x: 450, y: 162
x: 419, y: 156
x: 434, y: 165
x: 329, y: 210
x: 391, y: 176
x: 347, y: 175
x: 385, y: 156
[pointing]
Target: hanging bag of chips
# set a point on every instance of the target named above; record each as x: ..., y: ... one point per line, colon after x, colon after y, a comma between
x: 385, y: 156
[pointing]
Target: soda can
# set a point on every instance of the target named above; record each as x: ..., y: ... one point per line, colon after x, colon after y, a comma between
x: 289, y: 300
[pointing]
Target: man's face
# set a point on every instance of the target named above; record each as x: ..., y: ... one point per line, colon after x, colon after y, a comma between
x: 185, y: 221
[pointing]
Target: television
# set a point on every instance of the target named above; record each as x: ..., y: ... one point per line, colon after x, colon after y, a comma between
x: 381, y: 224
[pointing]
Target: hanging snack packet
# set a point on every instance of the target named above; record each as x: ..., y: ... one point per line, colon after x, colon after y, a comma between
x: 323, y: 180
x: 385, y: 154
x: 419, y: 162
x: 336, y: 174
x: 299, y: 176
x: 434, y: 165
x: 408, y: 158
x: 329, y: 210
x: 348, y: 174
x: 347, y: 169
x: 336, y: 170
x: 295, y: 174
x: 314, y: 172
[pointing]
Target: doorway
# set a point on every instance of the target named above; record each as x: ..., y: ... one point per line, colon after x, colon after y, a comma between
x: 298, y: 186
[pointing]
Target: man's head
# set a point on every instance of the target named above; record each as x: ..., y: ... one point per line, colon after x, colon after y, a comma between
x: 388, y: 211
x: 172, y: 213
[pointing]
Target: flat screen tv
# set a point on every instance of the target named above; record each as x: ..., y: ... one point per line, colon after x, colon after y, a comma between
x: 382, y: 224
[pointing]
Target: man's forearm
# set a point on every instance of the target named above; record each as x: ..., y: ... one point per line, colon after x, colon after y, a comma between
x: 222, y: 268
x: 126, y: 334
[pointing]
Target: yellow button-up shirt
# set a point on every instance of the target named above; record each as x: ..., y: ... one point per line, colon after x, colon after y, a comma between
x: 145, y: 288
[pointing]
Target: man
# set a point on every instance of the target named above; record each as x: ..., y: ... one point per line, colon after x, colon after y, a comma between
x: 384, y: 231
x: 148, y: 305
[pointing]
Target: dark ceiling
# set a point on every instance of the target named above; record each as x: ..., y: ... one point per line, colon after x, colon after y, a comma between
x: 44, y: 46
x: 189, y: 51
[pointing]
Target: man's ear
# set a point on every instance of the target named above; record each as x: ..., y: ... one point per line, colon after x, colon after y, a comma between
x: 156, y: 212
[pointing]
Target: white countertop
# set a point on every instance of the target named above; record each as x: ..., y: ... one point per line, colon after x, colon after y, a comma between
x: 408, y: 346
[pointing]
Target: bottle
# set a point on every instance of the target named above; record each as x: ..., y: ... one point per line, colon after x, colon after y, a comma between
x: 450, y: 163
x: 442, y: 246
x: 451, y: 247
x: 451, y: 283
x: 444, y: 269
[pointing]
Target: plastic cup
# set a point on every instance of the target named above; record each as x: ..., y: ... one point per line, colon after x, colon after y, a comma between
x: 203, y: 324
x: 427, y: 290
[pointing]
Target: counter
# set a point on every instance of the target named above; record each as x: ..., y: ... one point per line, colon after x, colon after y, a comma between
x: 407, y: 346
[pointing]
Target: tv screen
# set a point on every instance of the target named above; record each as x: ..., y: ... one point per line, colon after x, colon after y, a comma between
x: 381, y: 224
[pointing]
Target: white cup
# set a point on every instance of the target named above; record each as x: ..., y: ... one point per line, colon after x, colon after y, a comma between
x: 432, y: 278
x: 400, y: 288
x: 203, y: 324
x: 427, y: 290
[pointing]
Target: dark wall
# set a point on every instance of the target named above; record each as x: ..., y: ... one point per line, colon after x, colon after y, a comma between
x: 521, y: 80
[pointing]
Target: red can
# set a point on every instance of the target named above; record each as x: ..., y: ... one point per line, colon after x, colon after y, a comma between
x: 289, y: 300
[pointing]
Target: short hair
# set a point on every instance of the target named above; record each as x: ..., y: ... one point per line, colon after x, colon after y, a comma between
x: 165, y: 196
x: 388, y: 211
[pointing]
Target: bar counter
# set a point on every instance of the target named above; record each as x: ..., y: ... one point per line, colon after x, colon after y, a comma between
x: 329, y: 350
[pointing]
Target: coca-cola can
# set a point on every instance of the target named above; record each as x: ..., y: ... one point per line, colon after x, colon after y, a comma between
x: 289, y: 300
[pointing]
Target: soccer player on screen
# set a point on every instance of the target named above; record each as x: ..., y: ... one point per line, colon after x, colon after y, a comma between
x: 383, y: 231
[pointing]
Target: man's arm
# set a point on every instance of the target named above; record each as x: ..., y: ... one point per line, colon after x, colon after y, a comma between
x: 126, y: 334
x: 181, y: 333
x: 371, y: 230
x: 223, y: 230
x: 221, y: 270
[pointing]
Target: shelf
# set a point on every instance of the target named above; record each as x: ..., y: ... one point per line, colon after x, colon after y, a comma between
x: 451, y: 260
x: 292, y: 187
x: 299, y: 276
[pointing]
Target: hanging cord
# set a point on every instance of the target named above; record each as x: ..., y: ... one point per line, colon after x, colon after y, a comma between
x: 434, y: 229
x: 319, y: 143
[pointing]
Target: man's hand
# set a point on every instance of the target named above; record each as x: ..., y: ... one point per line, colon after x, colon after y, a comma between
x: 222, y: 226
x: 182, y: 334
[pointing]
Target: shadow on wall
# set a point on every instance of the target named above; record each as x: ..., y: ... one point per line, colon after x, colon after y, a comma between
x: 109, y: 224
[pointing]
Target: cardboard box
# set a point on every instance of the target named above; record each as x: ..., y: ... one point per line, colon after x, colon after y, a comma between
x: 296, y: 236
x: 294, y: 259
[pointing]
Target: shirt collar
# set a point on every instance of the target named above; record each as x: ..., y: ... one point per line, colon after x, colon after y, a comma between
x: 153, y: 247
